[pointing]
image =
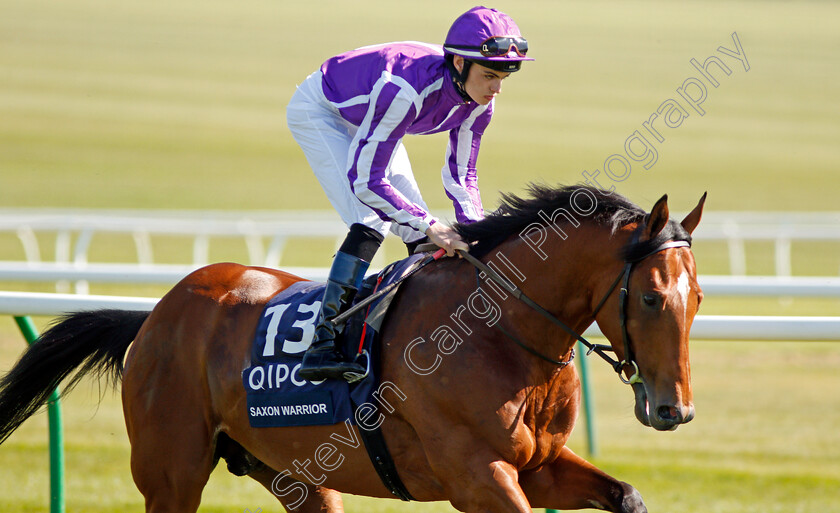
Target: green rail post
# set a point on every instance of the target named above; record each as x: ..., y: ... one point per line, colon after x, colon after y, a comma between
x: 27, y: 327
x: 588, y: 408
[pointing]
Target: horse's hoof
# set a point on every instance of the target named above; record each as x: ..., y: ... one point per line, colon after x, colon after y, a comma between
x: 632, y: 501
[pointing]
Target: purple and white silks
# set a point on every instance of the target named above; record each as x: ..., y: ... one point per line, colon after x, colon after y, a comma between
x: 394, y: 89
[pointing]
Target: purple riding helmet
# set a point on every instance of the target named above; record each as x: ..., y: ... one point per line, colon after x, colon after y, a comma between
x: 486, y: 36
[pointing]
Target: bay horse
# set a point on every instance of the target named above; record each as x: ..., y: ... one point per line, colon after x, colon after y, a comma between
x: 471, y: 417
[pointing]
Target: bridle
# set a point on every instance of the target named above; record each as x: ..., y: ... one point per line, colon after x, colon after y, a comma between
x: 599, y: 349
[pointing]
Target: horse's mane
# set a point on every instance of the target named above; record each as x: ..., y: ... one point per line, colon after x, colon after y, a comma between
x: 516, y: 213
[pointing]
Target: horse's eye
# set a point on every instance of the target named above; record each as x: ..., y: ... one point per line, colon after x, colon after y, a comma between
x: 650, y: 299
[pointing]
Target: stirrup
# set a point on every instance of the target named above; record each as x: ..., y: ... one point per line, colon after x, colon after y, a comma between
x: 352, y: 377
x: 329, y: 366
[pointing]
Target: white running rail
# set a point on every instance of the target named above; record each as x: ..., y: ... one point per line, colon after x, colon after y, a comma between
x: 277, y: 227
x: 163, y: 274
x: 705, y: 327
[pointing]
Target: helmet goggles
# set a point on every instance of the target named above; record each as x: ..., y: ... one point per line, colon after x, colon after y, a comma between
x: 496, y: 46
x: 499, y: 46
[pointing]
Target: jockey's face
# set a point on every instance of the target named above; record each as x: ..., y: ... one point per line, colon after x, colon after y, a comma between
x: 482, y: 84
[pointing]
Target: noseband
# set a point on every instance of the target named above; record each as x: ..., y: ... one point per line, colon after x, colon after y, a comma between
x: 599, y: 349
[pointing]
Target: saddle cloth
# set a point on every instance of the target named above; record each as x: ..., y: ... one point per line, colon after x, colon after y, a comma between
x: 276, y: 395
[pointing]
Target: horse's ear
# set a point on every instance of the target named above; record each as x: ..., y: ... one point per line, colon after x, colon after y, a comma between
x: 693, y: 218
x: 657, y: 219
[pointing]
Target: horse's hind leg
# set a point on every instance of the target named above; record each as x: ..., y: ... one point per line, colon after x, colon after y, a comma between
x: 171, y: 461
x: 571, y: 482
x: 171, y: 434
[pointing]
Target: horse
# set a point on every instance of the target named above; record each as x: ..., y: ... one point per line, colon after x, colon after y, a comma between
x: 470, y: 416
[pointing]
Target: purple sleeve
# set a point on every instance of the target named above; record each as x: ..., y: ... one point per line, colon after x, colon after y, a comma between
x: 390, y: 113
x: 459, y: 175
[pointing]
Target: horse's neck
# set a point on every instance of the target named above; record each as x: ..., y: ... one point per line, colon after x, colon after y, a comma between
x: 562, y: 274
x: 562, y: 279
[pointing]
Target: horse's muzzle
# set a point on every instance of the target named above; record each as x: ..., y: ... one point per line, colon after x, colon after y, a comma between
x: 662, y: 417
x: 670, y: 417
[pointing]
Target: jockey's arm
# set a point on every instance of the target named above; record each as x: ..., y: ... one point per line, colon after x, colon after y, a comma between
x: 459, y: 175
x: 373, y: 149
x: 371, y: 184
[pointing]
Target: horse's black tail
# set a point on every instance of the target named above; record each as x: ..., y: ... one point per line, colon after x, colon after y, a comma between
x: 95, y: 341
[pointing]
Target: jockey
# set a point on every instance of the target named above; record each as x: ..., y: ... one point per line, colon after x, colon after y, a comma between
x: 349, y: 118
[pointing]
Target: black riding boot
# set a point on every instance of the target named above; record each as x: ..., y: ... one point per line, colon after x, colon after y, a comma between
x: 322, y: 359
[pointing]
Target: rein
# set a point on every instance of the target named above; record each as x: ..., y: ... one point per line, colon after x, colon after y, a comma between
x: 599, y: 349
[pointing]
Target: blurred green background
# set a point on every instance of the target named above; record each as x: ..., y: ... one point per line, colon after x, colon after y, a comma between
x: 181, y: 105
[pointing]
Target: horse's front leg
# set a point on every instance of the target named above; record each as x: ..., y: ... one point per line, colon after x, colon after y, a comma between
x: 487, y: 486
x: 570, y: 482
x: 475, y: 479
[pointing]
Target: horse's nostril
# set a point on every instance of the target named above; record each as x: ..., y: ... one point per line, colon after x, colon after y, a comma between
x: 668, y: 414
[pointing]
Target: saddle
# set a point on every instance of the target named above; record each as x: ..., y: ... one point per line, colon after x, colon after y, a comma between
x: 277, y: 397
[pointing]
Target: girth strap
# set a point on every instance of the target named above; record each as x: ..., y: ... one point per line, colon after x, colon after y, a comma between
x: 373, y: 439
x: 384, y: 463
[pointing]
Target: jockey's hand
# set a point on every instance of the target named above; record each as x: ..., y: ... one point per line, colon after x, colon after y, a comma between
x: 445, y: 237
